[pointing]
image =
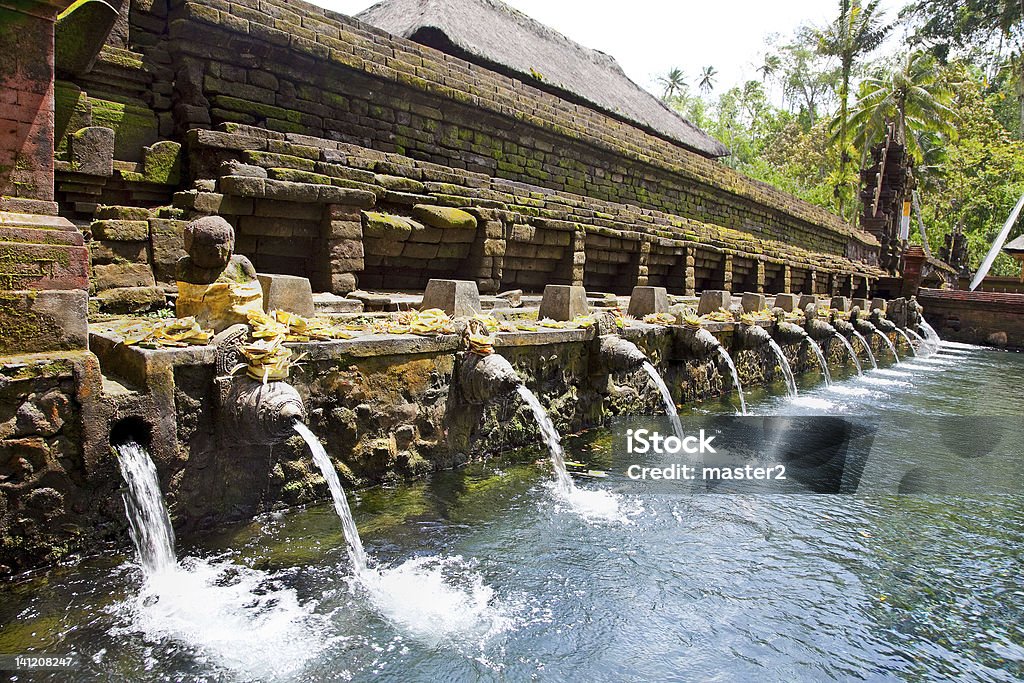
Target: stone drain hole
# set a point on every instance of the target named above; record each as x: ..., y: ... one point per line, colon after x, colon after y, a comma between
x: 131, y: 429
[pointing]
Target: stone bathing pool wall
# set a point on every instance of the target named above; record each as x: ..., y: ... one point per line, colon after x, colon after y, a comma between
x: 385, y: 407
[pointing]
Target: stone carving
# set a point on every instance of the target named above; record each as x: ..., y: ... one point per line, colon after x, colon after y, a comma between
x: 216, y: 286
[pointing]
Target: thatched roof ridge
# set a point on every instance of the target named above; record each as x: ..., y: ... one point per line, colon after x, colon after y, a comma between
x: 1016, y: 246
x: 491, y: 33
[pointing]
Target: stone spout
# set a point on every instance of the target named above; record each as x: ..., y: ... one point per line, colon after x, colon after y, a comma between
x: 261, y: 413
x: 616, y: 354
x: 485, y: 378
x: 751, y: 337
x: 881, y: 322
x: 843, y: 327
x: 699, y: 342
x: 860, y: 324
x: 818, y: 329
x: 786, y: 332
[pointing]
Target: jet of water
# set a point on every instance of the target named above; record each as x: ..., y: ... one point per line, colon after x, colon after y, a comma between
x: 549, y: 434
x: 849, y: 350
x: 735, y: 378
x: 666, y: 398
x: 888, y: 342
x: 348, y: 525
x: 149, y: 523
x: 867, y: 347
x: 784, y: 364
x: 910, y: 345
x: 821, y: 361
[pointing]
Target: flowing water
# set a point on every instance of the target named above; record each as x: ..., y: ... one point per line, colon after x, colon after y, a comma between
x: 926, y: 347
x: 148, y: 521
x: 326, y: 467
x: 910, y: 345
x: 853, y: 354
x: 735, y: 380
x: 888, y: 342
x: 786, y: 370
x: 867, y: 347
x: 666, y: 398
x: 489, y: 579
x: 821, y: 361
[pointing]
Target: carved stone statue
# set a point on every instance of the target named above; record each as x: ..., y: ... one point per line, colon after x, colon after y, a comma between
x: 216, y: 286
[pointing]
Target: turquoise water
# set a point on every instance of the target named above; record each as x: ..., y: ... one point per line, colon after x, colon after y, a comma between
x: 487, y: 574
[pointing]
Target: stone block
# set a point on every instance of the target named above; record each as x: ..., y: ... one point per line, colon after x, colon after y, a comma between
x: 457, y: 298
x: 92, y: 151
x: 840, y: 303
x: 123, y: 231
x: 386, y: 226
x: 863, y: 304
x: 806, y: 300
x: 563, y: 302
x: 41, y: 321
x: 444, y: 217
x: 648, y: 300
x: 787, y: 302
x: 879, y: 304
x: 130, y: 299
x: 114, y: 275
x: 343, y: 283
x: 753, y: 302
x: 287, y: 293
x: 712, y: 300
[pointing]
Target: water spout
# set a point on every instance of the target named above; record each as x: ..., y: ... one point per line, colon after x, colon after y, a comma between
x: 616, y: 354
x: 261, y: 413
x: 821, y: 360
x: 356, y: 552
x: 563, y: 482
x: 849, y: 350
x: 735, y: 378
x: 666, y: 398
x: 910, y: 344
x: 484, y: 378
x: 787, y: 371
x: 888, y: 342
x: 148, y: 521
x: 867, y: 347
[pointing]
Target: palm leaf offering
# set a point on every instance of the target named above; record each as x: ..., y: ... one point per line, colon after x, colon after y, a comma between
x: 431, y: 321
x: 295, y: 328
x: 268, y: 360
x: 692, y: 322
x: 660, y: 319
x: 162, y: 333
x: 719, y: 316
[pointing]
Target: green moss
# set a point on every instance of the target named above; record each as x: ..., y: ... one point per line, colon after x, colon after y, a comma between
x: 385, y: 226
x: 296, y: 176
x: 444, y: 217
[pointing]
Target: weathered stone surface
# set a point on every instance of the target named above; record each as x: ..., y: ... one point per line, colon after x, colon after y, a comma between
x: 444, y: 217
x: 287, y: 293
x: 37, y: 321
x: 863, y: 304
x: 237, y: 168
x: 880, y: 304
x: 122, y: 275
x: 999, y: 339
x: 457, y: 298
x: 753, y: 303
x: 807, y: 300
x: 563, y: 302
x: 386, y: 226
x: 125, y: 231
x: 130, y: 299
x: 92, y: 151
x: 787, y: 302
x: 648, y: 300
x: 840, y: 303
x: 713, y: 300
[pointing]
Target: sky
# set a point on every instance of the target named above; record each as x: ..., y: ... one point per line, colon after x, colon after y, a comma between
x: 649, y: 37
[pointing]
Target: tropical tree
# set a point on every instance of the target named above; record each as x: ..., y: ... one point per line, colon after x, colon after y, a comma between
x: 674, y: 84
x: 707, y: 79
x: 977, y: 25
x: 917, y: 97
x: 857, y: 31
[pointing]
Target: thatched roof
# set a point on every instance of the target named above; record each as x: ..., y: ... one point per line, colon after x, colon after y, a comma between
x: 1016, y: 246
x: 490, y: 33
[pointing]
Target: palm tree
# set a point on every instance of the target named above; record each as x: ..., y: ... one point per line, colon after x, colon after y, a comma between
x: 770, y: 66
x: 674, y: 83
x: 916, y: 97
x: 707, y: 79
x: 857, y: 31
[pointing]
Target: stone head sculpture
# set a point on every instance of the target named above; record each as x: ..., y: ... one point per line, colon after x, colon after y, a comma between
x: 210, y: 243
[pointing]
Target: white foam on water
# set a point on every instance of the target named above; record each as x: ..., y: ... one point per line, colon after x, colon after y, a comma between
x: 596, y: 505
x: 240, y: 618
x: 959, y: 345
x: 437, y: 600
x: 859, y: 392
x: 881, y: 381
x: 812, y: 402
x: 891, y: 373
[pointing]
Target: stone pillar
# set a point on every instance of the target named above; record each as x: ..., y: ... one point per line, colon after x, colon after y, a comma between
x: 690, y: 272
x: 787, y: 277
x: 44, y: 265
x: 760, y: 276
x: 579, y: 256
x: 727, y: 272
x: 913, y: 270
x: 643, y: 269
